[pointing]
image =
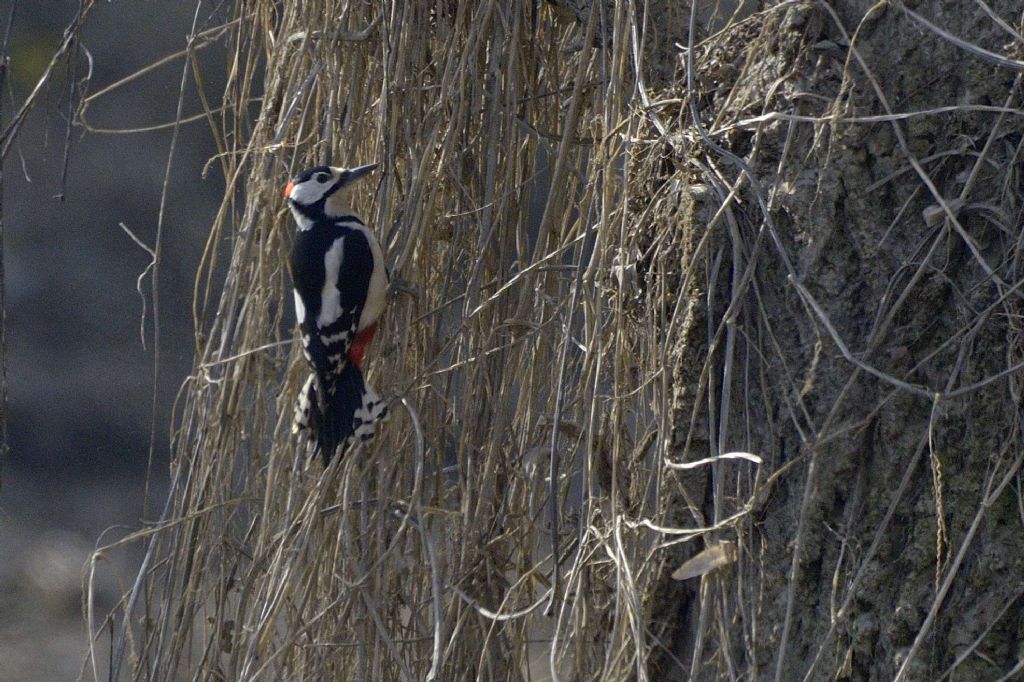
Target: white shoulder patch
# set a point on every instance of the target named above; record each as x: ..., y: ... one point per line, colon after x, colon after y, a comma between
x: 330, y: 297
x: 300, y: 307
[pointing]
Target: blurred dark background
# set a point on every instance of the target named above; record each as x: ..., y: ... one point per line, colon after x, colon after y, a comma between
x: 80, y: 382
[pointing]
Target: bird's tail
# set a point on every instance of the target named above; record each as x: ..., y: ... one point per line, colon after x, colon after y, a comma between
x: 352, y: 411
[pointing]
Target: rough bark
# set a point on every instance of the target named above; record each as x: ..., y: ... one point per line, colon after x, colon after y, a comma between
x: 851, y: 336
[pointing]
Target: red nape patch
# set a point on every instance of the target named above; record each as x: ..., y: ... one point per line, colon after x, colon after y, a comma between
x: 363, y: 338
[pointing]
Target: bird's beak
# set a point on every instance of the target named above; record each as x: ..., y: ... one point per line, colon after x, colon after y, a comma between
x: 354, y: 174
x: 288, y: 189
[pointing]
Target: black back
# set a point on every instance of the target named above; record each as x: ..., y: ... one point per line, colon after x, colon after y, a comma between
x: 307, y: 265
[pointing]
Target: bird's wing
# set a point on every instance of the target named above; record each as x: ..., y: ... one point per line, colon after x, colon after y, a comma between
x: 349, y: 265
x: 330, y: 287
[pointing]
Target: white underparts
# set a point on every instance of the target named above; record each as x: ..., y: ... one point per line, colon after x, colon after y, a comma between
x: 376, y: 292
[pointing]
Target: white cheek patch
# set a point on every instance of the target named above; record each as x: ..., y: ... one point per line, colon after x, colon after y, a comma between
x: 309, y: 192
x: 330, y: 297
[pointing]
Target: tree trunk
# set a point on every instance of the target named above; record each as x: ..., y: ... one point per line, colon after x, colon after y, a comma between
x: 854, y: 320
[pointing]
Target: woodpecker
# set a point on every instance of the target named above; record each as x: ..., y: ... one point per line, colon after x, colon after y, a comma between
x: 339, y: 281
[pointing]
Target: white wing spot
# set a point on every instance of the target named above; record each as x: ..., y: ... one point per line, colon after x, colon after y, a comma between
x: 328, y: 339
x: 302, y: 406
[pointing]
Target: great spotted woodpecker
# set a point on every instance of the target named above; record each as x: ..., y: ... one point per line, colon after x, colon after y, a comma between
x: 340, y: 281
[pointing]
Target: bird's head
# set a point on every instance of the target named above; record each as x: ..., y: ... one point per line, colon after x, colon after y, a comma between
x: 321, y: 191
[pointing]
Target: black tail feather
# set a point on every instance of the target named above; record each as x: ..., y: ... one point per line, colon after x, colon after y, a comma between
x: 353, y: 409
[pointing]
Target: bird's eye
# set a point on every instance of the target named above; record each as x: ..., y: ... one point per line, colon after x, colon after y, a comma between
x: 322, y: 177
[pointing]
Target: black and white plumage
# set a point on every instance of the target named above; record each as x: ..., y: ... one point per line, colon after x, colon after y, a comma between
x: 339, y: 282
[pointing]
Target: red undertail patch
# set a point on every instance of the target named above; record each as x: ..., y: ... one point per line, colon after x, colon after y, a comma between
x: 358, y: 349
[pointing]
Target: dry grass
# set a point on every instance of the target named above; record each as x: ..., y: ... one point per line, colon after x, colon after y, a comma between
x: 538, y: 207
x: 501, y: 200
